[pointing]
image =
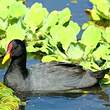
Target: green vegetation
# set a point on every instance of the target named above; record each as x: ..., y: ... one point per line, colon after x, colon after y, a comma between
x: 7, y: 100
x: 55, y: 34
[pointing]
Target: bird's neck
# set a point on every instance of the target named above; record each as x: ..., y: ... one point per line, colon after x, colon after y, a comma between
x: 18, y: 64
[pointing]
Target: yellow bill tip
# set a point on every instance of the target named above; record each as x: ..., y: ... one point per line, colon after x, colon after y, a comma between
x: 6, y: 57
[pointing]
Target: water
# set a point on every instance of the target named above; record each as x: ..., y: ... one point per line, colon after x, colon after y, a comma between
x: 97, y: 99
x: 84, y: 102
x: 77, y: 10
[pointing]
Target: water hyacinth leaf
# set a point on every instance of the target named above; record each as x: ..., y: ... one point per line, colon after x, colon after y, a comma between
x: 91, y: 36
x: 11, y: 101
x: 7, y: 100
x: 106, y: 34
x: 105, y: 80
x: 101, y: 52
x: 30, y: 46
x: 64, y: 35
x: 75, y: 52
x: 102, y: 7
x: 107, y: 63
x: 50, y: 58
x: 3, y: 24
x: 42, y: 45
x: 51, y: 20
x: 91, y: 65
x: 17, y: 10
x: 73, y: 26
x: 85, y: 25
x: 64, y: 16
x: 6, y: 3
x: 93, y: 14
x: 15, y: 32
x: 4, y: 7
x: 4, y: 107
x: 3, y: 44
x: 5, y: 92
x: 35, y: 16
x: 34, y: 46
x: 4, y: 13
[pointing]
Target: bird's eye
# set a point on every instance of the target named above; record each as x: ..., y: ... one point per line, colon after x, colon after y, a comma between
x: 15, y: 47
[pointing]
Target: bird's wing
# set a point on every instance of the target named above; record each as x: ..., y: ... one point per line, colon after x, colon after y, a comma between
x: 54, y: 76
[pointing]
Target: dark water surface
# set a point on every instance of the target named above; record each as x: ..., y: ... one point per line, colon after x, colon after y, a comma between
x: 97, y: 99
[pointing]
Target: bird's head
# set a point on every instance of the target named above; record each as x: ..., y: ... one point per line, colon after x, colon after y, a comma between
x: 16, y: 48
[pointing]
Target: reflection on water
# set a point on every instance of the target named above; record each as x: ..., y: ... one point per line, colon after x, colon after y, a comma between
x: 98, y: 100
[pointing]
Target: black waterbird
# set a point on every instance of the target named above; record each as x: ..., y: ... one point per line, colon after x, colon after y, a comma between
x: 44, y: 77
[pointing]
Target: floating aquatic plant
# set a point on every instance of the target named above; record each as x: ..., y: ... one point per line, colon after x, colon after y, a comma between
x: 8, y: 101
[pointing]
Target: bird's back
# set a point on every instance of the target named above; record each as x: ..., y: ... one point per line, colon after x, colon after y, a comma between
x: 55, y: 77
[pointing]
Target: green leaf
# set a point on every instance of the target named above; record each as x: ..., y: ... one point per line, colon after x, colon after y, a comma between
x: 75, y: 52
x: 19, y: 32
x: 64, y: 35
x: 3, y: 24
x: 35, y: 16
x: 90, y: 65
x: 91, y: 36
x: 93, y: 14
x: 73, y: 26
x: 64, y: 16
x: 101, y: 52
x: 7, y: 100
x: 3, y: 44
x: 105, y: 80
x: 4, y: 7
x: 17, y: 10
x: 50, y: 58
x: 106, y: 34
x: 4, y: 107
x: 51, y: 20
x: 30, y: 46
x: 102, y: 7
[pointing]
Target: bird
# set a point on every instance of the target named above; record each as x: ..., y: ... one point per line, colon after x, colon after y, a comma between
x: 44, y: 77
